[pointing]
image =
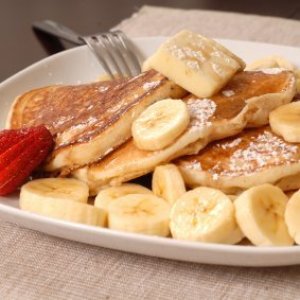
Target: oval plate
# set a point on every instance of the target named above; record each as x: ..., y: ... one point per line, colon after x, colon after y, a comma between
x: 78, y: 65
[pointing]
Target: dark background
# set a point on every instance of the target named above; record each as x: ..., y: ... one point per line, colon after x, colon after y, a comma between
x: 19, y: 46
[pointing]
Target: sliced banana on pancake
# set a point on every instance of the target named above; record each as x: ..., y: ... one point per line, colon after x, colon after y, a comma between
x: 160, y: 124
x: 200, y: 65
x: 205, y: 215
x: 292, y: 214
x: 107, y: 196
x: 260, y: 215
x: 61, y: 198
x: 168, y: 183
x: 140, y: 213
x: 285, y: 121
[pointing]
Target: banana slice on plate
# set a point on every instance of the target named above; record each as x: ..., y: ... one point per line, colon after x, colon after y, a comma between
x: 206, y: 215
x: 160, y: 124
x: 260, y: 215
x: 234, y: 237
x: 62, y: 198
x: 140, y: 213
x: 168, y: 183
x: 62, y: 188
x: 107, y: 196
x: 292, y: 218
x: 285, y: 121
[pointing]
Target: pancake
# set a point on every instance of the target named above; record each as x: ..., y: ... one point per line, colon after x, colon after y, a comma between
x: 245, y: 101
x: 89, y: 121
x: 254, y: 157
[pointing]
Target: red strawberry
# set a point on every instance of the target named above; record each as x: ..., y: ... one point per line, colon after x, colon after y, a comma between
x: 22, y: 151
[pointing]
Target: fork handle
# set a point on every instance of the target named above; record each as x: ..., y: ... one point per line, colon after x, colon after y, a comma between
x: 59, y: 31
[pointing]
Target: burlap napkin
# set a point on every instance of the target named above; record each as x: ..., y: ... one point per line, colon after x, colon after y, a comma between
x: 153, y: 21
x: 37, y: 266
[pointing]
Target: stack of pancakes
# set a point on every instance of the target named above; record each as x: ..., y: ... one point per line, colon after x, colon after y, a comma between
x: 91, y: 125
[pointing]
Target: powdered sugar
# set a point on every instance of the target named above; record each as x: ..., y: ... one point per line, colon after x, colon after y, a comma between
x: 150, y: 85
x: 228, y: 93
x: 231, y: 144
x: 201, y: 110
x: 272, y: 71
x: 103, y: 89
x: 263, y: 150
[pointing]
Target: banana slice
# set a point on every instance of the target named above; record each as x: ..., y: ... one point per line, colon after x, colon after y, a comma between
x: 107, y: 196
x: 297, y: 74
x: 234, y: 237
x: 61, y: 198
x: 260, y: 215
x: 198, y: 64
x: 272, y: 61
x: 291, y: 216
x: 160, y: 124
x: 140, y: 213
x: 285, y: 121
x: 237, y: 236
x: 168, y: 183
x: 203, y: 214
x: 58, y: 188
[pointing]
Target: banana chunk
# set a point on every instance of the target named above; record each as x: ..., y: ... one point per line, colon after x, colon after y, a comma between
x: 160, y: 124
x: 260, y: 215
x: 168, y: 183
x: 285, y: 121
x: 107, y: 196
x: 61, y: 198
x: 57, y: 188
x: 291, y: 216
x: 272, y: 61
x: 198, y: 64
x: 206, y: 215
x: 140, y: 213
x: 234, y: 237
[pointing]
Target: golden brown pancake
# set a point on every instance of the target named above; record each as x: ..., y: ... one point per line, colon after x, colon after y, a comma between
x: 88, y: 121
x: 253, y: 157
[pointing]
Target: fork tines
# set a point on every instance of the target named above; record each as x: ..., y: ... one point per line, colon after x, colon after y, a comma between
x: 114, y: 52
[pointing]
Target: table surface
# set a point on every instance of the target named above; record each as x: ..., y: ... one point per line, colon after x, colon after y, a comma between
x: 20, y: 47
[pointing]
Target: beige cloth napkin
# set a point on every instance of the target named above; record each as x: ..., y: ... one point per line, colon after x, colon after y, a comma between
x: 153, y: 21
x: 37, y: 266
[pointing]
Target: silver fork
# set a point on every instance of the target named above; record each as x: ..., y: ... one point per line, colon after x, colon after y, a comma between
x: 113, y: 49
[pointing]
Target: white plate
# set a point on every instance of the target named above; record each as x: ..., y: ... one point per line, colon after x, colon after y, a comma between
x: 79, y: 65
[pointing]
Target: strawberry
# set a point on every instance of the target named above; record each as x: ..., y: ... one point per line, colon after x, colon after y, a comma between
x: 21, y: 152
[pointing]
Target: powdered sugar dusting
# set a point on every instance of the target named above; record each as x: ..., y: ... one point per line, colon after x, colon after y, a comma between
x: 201, y: 110
x: 228, y: 93
x: 231, y: 144
x: 194, y: 58
x: 272, y: 71
x: 103, y: 89
x: 262, y: 151
x: 76, y: 129
x: 194, y: 165
x: 215, y: 176
x: 150, y: 85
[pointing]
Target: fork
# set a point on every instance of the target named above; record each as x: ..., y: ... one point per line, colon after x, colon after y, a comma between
x: 113, y: 49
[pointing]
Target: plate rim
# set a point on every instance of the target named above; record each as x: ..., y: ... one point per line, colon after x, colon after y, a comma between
x: 149, y: 238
